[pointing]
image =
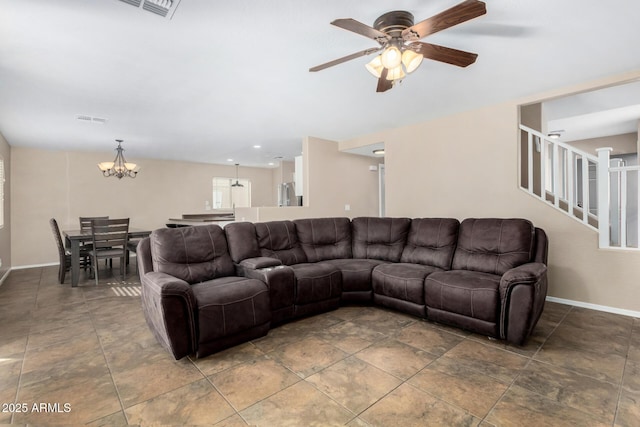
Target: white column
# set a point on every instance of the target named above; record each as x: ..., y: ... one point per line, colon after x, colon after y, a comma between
x: 603, y: 196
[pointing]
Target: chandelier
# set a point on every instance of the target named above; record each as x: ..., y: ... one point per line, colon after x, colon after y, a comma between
x: 398, y: 60
x: 119, y: 167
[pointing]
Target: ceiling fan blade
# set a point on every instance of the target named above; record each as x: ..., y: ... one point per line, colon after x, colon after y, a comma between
x: 362, y: 29
x: 458, y: 14
x: 446, y: 54
x: 384, y: 84
x: 345, y: 59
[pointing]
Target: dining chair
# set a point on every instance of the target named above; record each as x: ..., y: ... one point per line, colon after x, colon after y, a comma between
x: 109, y: 239
x: 85, y: 222
x: 65, y: 254
x: 85, y: 225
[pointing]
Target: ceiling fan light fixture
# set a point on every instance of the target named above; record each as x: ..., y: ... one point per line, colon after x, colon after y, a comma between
x: 391, y: 57
x: 396, y: 73
x: 411, y: 60
x: 375, y: 66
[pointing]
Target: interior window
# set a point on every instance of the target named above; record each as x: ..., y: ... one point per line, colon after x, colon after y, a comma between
x: 227, y: 195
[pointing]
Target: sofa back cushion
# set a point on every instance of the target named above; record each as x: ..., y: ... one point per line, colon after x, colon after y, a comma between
x: 379, y: 238
x: 324, y: 238
x: 193, y: 254
x: 242, y: 240
x: 492, y: 245
x: 431, y: 241
x: 278, y: 239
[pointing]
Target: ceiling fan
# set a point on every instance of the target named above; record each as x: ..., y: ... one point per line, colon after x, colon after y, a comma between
x: 398, y: 38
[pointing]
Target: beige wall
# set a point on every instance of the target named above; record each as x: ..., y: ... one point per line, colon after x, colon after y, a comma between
x: 5, y: 232
x: 332, y: 179
x: 621, y: 144
x: 466, y: 165
x: 66, y: 185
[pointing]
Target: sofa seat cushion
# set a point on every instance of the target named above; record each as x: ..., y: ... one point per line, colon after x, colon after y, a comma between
x: 401, y: 281
x: 230, y: 305
x: 316, y: 282
x: 468, y: 293
x: 356, y: 273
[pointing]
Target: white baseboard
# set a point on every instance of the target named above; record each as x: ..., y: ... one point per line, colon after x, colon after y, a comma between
x: 22, y: 267
x: 4, y: 276
x: 597, y: 307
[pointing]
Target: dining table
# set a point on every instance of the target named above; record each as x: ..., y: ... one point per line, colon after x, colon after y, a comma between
x: 74, y: 238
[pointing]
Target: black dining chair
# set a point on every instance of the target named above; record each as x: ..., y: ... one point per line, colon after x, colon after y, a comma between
x: 65, y: 254
x: 85, y: 225
x: 85, y: 222
x: 109, y: 240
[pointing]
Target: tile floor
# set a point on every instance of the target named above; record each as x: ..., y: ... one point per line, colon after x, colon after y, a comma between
x: 90, y: 350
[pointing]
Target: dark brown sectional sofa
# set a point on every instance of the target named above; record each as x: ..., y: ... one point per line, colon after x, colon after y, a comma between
x: 205, y: 289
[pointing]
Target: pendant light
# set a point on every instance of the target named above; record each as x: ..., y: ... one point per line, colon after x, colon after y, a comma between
x: 237, y: 183
x: 119, y: 167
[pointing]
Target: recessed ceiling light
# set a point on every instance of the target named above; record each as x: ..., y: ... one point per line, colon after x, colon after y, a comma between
x: 229, y: 160
x: 271, y: 163
x: 555, y: 134
x: 257, y: 146
x: 379, y: 151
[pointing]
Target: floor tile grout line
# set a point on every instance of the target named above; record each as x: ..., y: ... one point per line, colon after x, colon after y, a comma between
x: 469, y: 338
x: 210, y: 381
x: 26, y: 345
x: 106, y: 361
x: 530, y: 361
x: 624, y: 370
x: 402, y: 381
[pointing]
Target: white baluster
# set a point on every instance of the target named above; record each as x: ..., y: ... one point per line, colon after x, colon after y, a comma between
x: 603, y: 196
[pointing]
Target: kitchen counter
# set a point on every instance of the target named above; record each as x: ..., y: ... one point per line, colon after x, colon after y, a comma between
x: 221, y: 218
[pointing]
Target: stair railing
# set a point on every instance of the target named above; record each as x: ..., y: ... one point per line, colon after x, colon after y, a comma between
x: 563, y: 180
x: 579, y: 184
x: 619, y: 218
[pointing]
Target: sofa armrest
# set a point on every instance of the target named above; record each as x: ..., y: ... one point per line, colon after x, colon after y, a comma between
x: 170, y: 309
x: 281, y: 283
x: 523, y: 291
x: 260, y: 262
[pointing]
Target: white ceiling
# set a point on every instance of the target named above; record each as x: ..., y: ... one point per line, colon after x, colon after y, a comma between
x: 221, y: 77
x: 604, y: 112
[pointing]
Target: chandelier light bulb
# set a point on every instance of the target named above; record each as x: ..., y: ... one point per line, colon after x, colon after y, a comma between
x: 375, y: 67
x: 396, y: 73
x: 391, y: 57
x: 411, y: 60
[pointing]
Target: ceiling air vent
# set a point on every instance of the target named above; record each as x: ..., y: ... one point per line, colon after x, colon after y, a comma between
x: 90, y: 119
x: 164, y: 8
x: 135, y: 3
x: 159, y: 7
